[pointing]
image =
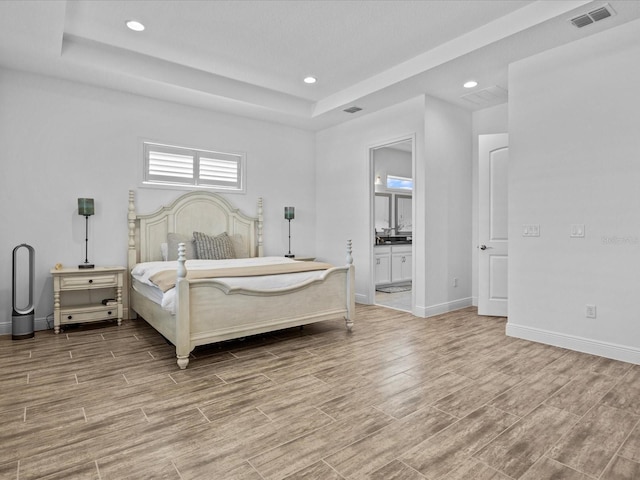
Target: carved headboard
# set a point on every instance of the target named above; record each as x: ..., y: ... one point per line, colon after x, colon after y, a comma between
x: 205, y: 212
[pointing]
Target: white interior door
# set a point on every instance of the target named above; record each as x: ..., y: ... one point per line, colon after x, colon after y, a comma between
x: 492, y: 225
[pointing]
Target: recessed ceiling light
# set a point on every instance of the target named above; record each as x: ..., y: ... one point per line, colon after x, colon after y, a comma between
x: 135, y: 25
x: 470, y: 84
x: 310, y: 80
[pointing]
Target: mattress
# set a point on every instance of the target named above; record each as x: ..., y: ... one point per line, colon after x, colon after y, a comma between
x: 142, y: 273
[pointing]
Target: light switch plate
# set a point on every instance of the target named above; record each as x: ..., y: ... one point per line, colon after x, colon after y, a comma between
x: 577, y: 230
x: 531, y: 230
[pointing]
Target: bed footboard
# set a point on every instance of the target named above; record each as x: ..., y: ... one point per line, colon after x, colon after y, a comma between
x: 209, y: 311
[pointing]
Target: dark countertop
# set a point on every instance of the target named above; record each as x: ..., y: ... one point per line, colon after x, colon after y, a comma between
x: 394, y: 240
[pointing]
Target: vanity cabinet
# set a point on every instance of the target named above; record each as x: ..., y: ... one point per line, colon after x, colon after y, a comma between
x: 393, y: 264
x: 401, y: 256
x: 382, y: 264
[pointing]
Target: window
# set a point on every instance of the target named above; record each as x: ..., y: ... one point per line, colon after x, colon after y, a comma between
x: 168, y: 165
x: 399, y: 183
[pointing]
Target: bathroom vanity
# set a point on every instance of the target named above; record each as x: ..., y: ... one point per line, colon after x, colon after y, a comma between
x: 392, y: 260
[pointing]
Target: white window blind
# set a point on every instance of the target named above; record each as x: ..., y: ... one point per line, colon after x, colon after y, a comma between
x: 171, y: 165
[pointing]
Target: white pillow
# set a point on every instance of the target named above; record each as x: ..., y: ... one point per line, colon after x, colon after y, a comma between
x: 174, y: 239
x: 239, y: 246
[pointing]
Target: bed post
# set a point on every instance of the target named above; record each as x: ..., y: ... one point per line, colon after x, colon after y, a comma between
x: 351, y: 284
x: 131, y: 252
x: 259, y: 226
x: 183, y: 331
x: 131, y: 217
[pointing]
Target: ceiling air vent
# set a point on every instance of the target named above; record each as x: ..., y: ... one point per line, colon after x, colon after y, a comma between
x: 582, y: 21
x: 487, y: 97
x: 353, y: 109
x: 593, y: 16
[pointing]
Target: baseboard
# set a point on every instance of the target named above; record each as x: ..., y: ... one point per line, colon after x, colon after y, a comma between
x: 572, y: 342
x: 38, y: 324
x: 433, y: 310
x: 43, y: 323
x: 362, y: 298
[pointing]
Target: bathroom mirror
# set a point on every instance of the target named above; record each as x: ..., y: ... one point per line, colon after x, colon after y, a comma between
x: 382, y: 209
x: 403, y: 212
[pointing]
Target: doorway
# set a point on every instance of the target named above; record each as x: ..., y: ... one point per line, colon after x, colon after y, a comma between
x: 392, y: 214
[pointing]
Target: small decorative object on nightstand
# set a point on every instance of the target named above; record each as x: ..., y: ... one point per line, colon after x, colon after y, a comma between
x: 85, y: 208
x: 289, y: 214
x: 87, y: 296
x: 305, y: 259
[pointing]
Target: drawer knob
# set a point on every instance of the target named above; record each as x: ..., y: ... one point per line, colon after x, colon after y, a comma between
x: 90, y: 281
x: 69, y: 317
x: 109, y: 312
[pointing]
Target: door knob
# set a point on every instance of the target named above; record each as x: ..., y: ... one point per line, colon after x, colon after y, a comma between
x: 483, y: 247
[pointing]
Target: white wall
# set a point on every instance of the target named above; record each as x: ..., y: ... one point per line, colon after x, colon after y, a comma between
x: 486, y: 121
x: 344, y: 183
x: 574, y: 159
x: 62, y: 140
x: 442, y: 197
x: 446, y: 173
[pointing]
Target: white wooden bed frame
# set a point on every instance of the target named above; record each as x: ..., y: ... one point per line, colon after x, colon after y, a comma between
x: 208, y: 311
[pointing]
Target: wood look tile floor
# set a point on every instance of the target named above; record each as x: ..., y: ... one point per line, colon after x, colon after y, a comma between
x: 400, y: 398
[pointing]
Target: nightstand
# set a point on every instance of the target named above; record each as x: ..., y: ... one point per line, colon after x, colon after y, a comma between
x: 305, y: 259
x: 78, y: 295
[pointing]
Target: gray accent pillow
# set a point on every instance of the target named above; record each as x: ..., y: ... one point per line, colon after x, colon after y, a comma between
x: 173, y: 239
x: 219, y: 247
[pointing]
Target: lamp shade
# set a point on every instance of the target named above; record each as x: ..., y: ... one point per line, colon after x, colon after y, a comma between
x: 85, y: 206
x: 289, y: 213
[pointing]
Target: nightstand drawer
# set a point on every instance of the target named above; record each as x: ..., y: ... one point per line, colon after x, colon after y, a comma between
x: 75, y: 282
x: 88, y: 314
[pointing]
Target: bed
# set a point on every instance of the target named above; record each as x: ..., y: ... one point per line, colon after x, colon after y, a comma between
x: 210, y: 310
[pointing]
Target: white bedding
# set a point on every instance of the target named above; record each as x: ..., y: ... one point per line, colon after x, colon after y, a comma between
x: 142, y: 273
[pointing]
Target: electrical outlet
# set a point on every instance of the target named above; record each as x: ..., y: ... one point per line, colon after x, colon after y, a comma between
x: 590, y: 311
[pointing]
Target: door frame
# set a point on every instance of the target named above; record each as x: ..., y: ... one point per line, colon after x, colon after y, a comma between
x: 371, y: 192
